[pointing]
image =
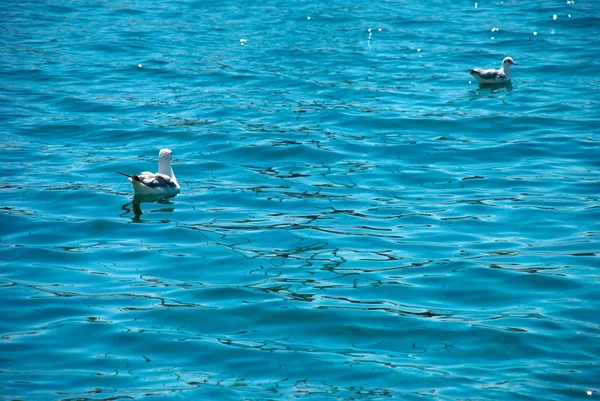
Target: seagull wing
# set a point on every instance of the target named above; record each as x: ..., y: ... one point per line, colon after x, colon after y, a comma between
x: 156, y: 180
x: 488, y: 75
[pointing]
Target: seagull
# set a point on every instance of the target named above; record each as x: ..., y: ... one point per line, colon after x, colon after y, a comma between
x: 492, y: 76
x: 161, y: 183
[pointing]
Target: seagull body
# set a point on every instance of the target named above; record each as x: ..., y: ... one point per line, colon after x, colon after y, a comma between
x: 162, y: 183
x: 492, y: 76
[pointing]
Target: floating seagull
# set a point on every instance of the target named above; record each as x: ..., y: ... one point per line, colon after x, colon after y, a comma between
x: 492, y: 76
x: 161, y: 183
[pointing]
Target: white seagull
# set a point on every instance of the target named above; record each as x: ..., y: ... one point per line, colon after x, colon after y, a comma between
x: 161, y: 183
x: 492, y: 76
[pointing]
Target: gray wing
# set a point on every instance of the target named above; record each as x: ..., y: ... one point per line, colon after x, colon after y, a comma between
x: 495, y: 75
x: 156, y: 180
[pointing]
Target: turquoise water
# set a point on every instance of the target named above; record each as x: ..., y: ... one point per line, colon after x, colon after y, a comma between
x: 358, y: 218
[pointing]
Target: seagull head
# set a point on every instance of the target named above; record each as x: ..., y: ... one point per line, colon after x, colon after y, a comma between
x: 165, y: 154
x: 508, y: 61
x: 164, y: 162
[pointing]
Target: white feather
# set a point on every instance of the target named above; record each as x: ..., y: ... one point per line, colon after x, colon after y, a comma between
x: 493, y: 76
x: 162, y: 183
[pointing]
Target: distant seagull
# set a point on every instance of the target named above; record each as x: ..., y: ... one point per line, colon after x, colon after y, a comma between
x: 161, y: 183
x: 492, y: 76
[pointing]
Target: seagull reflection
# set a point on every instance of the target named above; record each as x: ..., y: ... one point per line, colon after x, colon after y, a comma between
x: 492, y: 91
x: 494, y: 88
x: 135, y: 206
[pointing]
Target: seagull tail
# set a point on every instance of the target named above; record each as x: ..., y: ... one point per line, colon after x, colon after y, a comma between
x: 131, y: 177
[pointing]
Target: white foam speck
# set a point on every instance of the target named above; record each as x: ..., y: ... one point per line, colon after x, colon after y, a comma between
x: 569, y: 15
x: 243, y: 41
x: 307, y: 17
x: 589, y: 392
x: 535, y: 34
x: 476, y: 5
x: 379, y: 29
x: 419, y: 49
x: 554, y: 17
x: 139, y: 66
x: 492, y: 38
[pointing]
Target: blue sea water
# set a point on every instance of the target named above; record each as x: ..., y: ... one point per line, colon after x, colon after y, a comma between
x: 358, y: 219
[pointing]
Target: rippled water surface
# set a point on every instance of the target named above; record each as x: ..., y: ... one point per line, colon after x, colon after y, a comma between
x: 358, y: 218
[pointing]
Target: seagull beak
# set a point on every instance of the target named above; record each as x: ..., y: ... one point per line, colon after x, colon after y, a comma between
x: 515, y: 63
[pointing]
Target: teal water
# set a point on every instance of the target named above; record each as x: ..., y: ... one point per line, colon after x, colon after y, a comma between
x: 358, y: 218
